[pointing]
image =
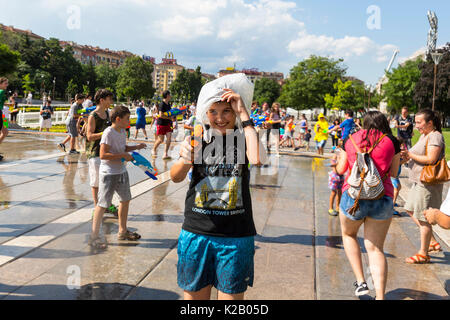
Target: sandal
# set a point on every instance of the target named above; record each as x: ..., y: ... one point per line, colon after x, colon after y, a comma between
x: 128, y: 235
x: 434, y: 247
x: 97, y: 243
x: 418, y: 259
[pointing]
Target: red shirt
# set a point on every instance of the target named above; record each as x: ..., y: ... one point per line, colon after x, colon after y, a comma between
x: 382, y: 155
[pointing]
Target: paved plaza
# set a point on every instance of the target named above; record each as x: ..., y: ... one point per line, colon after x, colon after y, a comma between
x: 45, y: 219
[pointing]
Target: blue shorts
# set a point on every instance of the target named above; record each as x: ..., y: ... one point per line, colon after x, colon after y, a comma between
x: 321, y: 144
x: 225, y: 263
x: 140, y: 125
x: 381, y: 209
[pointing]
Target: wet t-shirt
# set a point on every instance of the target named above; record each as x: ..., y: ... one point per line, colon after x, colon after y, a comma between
x: 218, y: 201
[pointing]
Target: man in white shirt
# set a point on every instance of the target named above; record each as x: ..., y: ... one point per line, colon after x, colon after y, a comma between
x: 440, y: 216
x: 88, y: 102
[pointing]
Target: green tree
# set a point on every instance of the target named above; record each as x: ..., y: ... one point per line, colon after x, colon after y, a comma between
x: 399, y: 90
x: 62, y: 66
x: 310, y: 81
x: 187, y: 85
x: 27, y: 83
x: 345, y: 97
x: 266, y: 90
x: 9, y: 60
x: 106, y: 76
x: 423, y: 91
x: 71, y: 90
x: 90, y: 79
x: 135, y: 79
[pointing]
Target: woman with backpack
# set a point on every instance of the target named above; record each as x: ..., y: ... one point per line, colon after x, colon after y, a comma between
x: 376, y: 210
x: 427, y: 151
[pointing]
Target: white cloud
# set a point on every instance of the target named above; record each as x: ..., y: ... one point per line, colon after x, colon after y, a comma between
x: 347, y: 47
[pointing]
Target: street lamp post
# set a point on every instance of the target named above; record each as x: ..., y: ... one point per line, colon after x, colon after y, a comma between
x: 53, y: 93
x: 436, y: 59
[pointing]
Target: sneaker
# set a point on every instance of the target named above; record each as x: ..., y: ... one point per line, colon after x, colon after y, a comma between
x: 62, y: 147
x: 333, y: 213
x: 73, y: 152
x: 396, y: 213
x: 296, y: 148
x: 396, y: 205
x: 361, y: 289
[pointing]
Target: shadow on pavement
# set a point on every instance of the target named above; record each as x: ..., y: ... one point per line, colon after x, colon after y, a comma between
x: 402, y: 294
x: 91, y: 291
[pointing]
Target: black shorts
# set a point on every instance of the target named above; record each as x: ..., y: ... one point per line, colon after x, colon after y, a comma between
x: 1, y: 120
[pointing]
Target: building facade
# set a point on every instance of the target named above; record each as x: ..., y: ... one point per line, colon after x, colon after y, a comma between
x: 96, y: 55
x: 165, y: 73
x: 28, y: 33
x: 253, y: 74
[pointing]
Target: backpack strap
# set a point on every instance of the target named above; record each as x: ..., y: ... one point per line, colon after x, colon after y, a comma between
x: 354, y: 144
x: 376, y: 143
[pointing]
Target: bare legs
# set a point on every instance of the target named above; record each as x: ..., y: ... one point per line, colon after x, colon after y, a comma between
x: 205, y: 294
x: 374, y: 236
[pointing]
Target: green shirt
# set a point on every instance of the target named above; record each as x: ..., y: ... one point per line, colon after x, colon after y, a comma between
x: 93, y: 147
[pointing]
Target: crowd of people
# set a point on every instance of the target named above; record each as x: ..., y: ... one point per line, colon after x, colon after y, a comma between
x: 360, y: 150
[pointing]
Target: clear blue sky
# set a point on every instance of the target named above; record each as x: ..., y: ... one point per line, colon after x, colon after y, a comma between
x: 271, y: 35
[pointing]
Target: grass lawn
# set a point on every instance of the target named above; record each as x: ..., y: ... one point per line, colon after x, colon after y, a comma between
x: 445, y: 132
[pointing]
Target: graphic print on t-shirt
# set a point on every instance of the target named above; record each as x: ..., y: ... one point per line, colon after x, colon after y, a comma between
x: 222, y: 193
x: 220, y: 187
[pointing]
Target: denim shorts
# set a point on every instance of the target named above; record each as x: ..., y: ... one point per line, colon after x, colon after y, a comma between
x: 381, y: 209
x: 225, y: 263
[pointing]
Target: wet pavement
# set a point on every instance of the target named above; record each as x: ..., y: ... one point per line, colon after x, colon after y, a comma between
x: 46, y: 206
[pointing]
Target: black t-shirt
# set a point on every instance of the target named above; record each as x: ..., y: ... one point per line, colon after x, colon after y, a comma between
x: 47, y: 114
x: 218, y: 201
x: 164, y: 107
x: 405, y: 133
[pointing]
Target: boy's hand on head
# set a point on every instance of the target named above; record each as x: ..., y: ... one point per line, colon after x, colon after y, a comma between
x: 235, y: 100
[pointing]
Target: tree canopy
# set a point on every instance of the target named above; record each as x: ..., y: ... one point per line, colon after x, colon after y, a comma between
x: 310, y: 81
x: 266, y: 90
x: 399, y: 90
x: 135, y: 79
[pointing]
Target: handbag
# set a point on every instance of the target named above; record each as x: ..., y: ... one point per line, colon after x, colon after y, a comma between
x: 437, y: 173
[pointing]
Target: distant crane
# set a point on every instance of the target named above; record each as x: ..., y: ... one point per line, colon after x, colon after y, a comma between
x: 385, y: 73
x: 392, y: 61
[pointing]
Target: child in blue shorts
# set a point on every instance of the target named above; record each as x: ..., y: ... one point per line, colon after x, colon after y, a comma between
x: 216, y: 245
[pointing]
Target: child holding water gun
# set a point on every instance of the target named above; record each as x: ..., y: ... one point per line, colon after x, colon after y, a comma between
x: 218, y: 211
x: 114, y: 176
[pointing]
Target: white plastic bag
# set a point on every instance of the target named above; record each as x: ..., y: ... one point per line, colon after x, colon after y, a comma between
x: 212, y: 91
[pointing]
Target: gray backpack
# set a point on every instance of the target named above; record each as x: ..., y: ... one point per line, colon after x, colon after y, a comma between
x: 364, y: 180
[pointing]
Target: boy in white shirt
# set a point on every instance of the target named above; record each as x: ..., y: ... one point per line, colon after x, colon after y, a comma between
x: 114, y: 176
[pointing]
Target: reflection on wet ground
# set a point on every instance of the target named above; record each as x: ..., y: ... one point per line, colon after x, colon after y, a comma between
x: 299, y: 250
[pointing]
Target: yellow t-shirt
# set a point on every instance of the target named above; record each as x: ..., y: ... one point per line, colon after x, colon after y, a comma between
x: 319, y: 128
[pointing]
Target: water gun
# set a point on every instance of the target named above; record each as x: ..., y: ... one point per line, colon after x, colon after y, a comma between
x: 144, y: 164
x: 87, y: 110
x: 196, y: 135
x: 258, y: 120
x: 5, y: 122
x: 175, y: 111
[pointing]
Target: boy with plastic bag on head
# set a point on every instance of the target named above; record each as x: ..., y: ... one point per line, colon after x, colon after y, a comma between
x: 216, y: 244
